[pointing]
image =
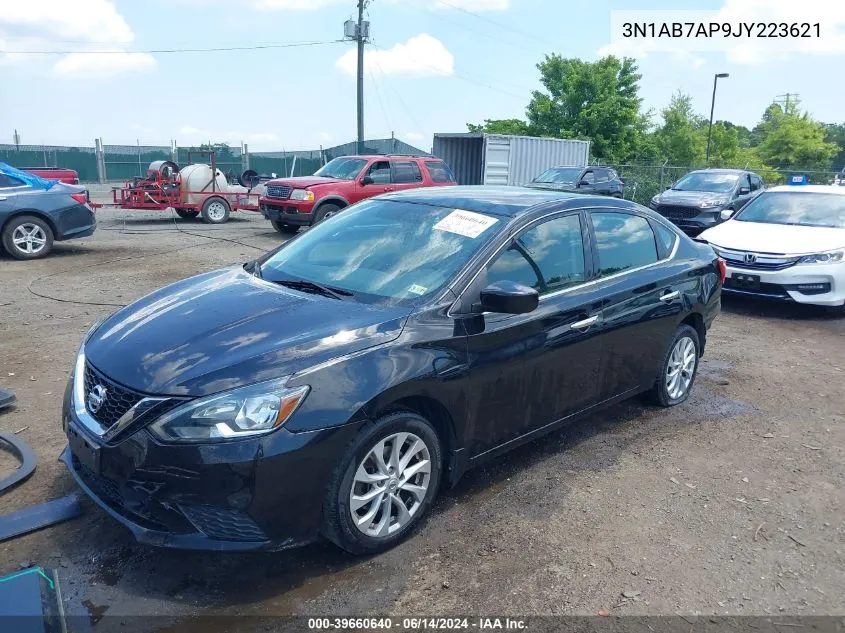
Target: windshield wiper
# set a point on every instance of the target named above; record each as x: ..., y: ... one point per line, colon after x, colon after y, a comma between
x: 315, y: 288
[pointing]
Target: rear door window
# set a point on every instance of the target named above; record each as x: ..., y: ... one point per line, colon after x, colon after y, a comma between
x: 624, y: 241
x: 406, y: 171
x: 9, y: 181
x: 439, y: 171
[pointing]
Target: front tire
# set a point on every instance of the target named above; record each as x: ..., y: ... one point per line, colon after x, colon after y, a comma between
x: 27, y: 237
x: 215, y: 210
x: 678, y: 370
x: 384, y: 485
x: 285, y: 229
x: 325, y: 211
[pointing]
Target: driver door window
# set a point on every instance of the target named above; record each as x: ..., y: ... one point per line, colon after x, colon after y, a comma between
x: 380, y: 172
x: 589, y: 177
x: 548, y: 257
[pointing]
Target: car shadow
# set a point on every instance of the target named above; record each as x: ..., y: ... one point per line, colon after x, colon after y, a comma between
x: 103, y: 552
x: 747, y: 306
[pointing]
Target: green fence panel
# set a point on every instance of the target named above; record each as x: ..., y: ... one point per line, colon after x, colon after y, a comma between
x: 82, y: 159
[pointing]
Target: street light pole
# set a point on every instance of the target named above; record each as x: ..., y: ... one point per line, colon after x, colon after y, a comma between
x: 716, y: 78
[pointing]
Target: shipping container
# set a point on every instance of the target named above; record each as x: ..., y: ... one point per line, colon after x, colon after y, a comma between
x: 495, y: 159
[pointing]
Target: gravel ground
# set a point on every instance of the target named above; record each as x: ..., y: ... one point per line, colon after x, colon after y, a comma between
x: 731, y: 503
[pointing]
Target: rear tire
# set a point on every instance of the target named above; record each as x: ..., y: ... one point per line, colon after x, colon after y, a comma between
x: 678, y: 370
x: 392, y: 494
x: 187, y: 214
x: 27, y: 237
x: 325, y: 211
x: 285, y: 229
x: 215, y: 210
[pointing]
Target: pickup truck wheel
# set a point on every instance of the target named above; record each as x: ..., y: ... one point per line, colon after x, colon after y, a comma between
x: 27, y: 237
x: 325, y: 211
x: 215, y: 210
x: 281, y: 227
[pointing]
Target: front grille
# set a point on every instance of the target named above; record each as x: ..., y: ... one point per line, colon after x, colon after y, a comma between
x: 278, y: 191
x: 736, y: 259
x: 226, y: 524
x: 105, y: 488
x: 677, y: 212
x: 118, y: 399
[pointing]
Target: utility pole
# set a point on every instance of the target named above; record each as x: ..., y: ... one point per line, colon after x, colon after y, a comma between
x: 716, y: 78
x: 787, y: 100
x: 360, y: 34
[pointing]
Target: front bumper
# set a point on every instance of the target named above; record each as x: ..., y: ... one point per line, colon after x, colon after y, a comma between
x: 691, y: 220
x: 261, y: 493
x: 822, y: 284
x: 296, y: 212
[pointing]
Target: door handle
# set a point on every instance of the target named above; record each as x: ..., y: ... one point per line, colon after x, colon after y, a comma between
x: 580, y: 325
x: 670, y: 296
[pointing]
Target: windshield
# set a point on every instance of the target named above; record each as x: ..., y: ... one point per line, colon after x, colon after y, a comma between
x: 342, y: 168
x: 384, y: 250
x: 559, y: 175
x: 707, y: 181
x: 799, y: 208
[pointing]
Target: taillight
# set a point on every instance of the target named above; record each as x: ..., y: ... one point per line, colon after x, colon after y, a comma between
x: 81, y: 198
x: 723, y: 269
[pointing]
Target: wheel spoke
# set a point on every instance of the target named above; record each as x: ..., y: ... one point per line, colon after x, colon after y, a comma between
x: 378, y: 456
x: 365, y: 522
x: 386, y: 512
x: 368, y: 478
x: 422, y: 466
x: 398, y: 441
x: 359, y: 501
x: 402, y: 514
x: 415, y: 448
x: 417, y: 491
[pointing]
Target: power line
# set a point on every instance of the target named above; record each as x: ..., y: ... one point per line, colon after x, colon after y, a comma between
x: 398, y: 96
x: 507, y: 27
x: 380, y: 103
x: 178, y: 50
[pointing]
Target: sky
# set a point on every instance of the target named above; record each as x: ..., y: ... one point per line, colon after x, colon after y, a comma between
x: 432, y: 66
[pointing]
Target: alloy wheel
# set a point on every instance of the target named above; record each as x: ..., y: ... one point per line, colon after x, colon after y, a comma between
x: 390, y: 485
x: 29, y: 238
x: 680, y: 368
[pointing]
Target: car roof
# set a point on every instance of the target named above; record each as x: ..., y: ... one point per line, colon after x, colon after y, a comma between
x: 720, y: 171
x: 808, y: 189
x: 496, y: 200
x: 408, y: 156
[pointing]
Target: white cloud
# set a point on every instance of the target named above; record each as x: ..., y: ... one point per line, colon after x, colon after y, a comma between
x: 95, y: 24
x: 420, y: 55
x: 102, y: 65
x: 190, y: 130
x: 414, y: 136
x: 262, y: 137
x: 295, y: 5
x: 746, y: 20
x: 324, y: 136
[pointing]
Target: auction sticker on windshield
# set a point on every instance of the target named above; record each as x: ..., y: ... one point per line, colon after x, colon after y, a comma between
x: 465, y: 223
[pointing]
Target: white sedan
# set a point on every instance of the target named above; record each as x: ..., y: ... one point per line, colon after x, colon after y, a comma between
x: 788, y: 243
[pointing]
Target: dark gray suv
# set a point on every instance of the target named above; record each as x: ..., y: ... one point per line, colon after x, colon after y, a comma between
x: 602, y: 181
x: 35, y: 212
x: 706, y: 197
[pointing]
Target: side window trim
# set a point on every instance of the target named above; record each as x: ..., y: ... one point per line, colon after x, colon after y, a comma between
x: 671, y: 252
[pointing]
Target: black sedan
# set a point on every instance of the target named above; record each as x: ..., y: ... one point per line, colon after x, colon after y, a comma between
x: 35, y: 212
x: 602, y: 181
x: 332, y: 386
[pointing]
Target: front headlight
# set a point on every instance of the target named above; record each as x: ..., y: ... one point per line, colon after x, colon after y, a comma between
x: 302, y: 194
x: 243, y: 412
x: 655, y: 200
x: 830, y: 257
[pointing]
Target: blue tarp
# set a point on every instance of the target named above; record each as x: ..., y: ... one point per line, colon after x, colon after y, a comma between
x: 31, y: 179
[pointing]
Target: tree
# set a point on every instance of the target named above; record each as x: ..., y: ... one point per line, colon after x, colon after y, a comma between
x: 592, y: 100
x: 679, y: 139
x: 835, y: 133
x: 501, y: 126
x: 791, y: 140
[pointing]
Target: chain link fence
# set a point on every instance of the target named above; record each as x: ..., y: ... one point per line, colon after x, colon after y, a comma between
x: 643, y: 182
x: 116, y: 163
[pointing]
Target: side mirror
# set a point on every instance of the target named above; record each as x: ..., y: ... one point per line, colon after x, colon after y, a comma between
x: 727, y: 214
x: 744, y: 191
x: 509, y: 297
x: 367, y: 180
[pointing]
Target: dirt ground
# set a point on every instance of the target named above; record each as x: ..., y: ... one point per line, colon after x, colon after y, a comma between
x: 731, y: 503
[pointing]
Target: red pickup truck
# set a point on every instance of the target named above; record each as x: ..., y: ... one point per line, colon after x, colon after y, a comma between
x: 62, y: 174
x: 293, y: 202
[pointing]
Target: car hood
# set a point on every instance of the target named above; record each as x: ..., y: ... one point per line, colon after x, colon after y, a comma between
x: 552, y: 186
x: 692, y: 198
x: 774, y: 238
x: 227, y: 328
x: 302, y: 182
